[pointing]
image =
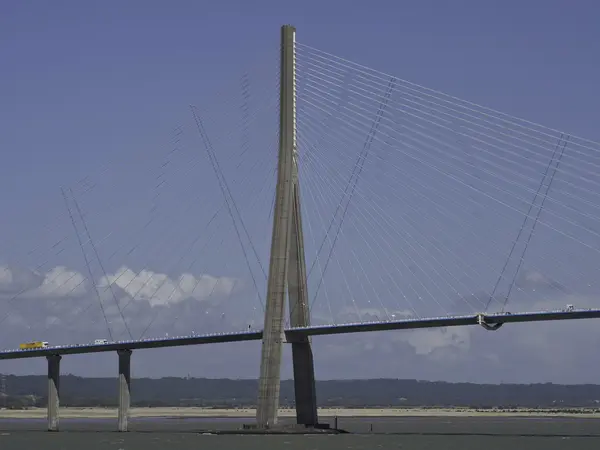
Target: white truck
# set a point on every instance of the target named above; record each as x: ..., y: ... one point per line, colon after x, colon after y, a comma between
x: 100, y: 341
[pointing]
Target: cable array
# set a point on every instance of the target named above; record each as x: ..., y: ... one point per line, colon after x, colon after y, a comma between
x: 161, y: 255
x: 422, y: 204
x: 415, y: 204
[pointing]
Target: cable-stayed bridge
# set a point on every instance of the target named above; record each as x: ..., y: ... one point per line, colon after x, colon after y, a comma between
x: 369, y: 202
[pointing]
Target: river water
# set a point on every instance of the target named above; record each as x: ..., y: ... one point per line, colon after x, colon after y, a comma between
x: 407, y: 433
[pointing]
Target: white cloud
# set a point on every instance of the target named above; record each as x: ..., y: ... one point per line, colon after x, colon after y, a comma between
x: 354, y: 314
x: 6, y: 276
x: 61, y: 282
x: 425, y: 341
x: 52, y: 320
x: 15, y: 281
x: 57, y: 282
x: 535, y: 277
x: 147, y: 286
x: 160, y: 289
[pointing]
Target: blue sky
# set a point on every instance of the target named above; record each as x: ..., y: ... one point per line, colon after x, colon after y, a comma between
x: 86, y: 86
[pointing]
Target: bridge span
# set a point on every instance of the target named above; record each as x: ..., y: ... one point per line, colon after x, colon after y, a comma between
x: 313, y: 330
x: 502, y: 169
x: 124, y: 349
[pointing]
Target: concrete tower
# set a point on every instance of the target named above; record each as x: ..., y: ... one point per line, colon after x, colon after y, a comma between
x: 287, y: 268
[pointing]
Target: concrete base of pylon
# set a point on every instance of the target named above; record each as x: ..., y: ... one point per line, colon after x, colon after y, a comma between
x: 322, y: 428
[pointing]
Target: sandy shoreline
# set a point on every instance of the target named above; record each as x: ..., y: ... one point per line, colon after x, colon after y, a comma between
x: 190, y: 412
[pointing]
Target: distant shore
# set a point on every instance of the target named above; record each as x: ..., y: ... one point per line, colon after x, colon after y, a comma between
x: 192, y: 412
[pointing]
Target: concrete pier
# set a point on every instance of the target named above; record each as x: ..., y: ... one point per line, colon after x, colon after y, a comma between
x: 304, y: 384
x: 302, y: 356
x: 53, y: 391
x: 124, y: 387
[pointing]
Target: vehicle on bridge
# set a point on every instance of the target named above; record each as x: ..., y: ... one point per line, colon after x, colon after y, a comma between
x: 34, y: 344
x: 100, y: 341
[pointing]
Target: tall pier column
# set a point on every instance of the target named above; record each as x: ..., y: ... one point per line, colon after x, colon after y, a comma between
x: 287, y: 269
x: 305, y: 391
x: 124, y: 387
x: 53, y: 391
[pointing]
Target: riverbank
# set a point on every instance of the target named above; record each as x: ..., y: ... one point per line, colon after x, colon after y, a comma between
x: 191, y: 412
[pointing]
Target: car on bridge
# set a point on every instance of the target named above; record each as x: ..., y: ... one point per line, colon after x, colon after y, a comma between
x: 100, y: 341
x: 32, y: 345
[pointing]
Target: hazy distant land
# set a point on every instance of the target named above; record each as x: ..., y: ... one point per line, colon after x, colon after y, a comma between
x: 25, y: 396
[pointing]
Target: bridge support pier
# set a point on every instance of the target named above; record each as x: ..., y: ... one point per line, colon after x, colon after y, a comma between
x: 124, y: 387
x: 305, y: 391
x: 53, y: 391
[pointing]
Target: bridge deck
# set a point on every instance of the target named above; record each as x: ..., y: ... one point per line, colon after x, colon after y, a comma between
x: 316, y: 330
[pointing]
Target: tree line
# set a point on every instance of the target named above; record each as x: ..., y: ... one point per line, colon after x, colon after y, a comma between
x: 28, y: 391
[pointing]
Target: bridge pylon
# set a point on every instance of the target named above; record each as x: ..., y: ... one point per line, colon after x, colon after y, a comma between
x: 287, y: 267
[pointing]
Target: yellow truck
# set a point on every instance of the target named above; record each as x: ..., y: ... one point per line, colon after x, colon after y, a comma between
x: 35, y: 344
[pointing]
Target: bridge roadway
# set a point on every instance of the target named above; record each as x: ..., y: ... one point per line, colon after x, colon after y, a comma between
x: 490, y: 321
